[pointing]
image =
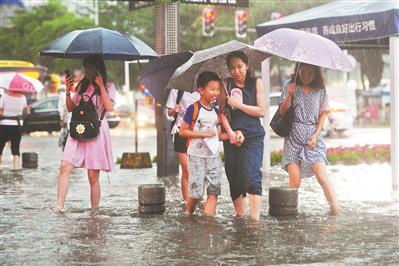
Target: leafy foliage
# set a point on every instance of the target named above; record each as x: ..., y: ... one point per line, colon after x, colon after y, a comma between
x: 35, y: 30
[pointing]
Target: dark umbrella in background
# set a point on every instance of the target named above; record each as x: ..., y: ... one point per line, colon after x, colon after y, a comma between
x: 110, y: 44
x: 158, y: 72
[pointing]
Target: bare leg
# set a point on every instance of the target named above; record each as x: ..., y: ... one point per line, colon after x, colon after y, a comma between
x: 255, y: 205
x: 239, y: 206
x: 63, y: 183
x: 191, y: 203
x: 183, y: 157
x: 320, y: 171
x: 210, y: 205
x: 15, y: 162
x: 294, y: 173
x: 95, y: 190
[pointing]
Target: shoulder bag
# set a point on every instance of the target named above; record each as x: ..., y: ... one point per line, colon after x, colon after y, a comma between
x: 282, y: 124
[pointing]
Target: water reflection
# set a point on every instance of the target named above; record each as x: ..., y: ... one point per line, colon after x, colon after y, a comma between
x: 10, y: 177
x: 88, y: 239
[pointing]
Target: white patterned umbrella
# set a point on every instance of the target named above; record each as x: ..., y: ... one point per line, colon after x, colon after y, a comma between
x: 19, y: 82
x: 305, y: 47
x: 212, y: 59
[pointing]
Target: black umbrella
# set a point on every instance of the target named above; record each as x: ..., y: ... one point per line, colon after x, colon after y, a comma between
x: 158, y: 72
x: 109, y: 44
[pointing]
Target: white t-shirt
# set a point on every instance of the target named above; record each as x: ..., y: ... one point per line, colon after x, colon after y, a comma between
x: 12, y: 106
x: 62, y: 109
x: 187, y: 100
x: 207, y: 120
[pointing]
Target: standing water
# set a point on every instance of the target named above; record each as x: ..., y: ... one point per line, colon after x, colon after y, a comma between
x: 31, y: 233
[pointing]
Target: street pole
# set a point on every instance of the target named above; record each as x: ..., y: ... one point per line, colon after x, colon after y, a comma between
x: 394, y: 69
x: 96, y: 12
x: 265, y: 121
x: 166, y: 42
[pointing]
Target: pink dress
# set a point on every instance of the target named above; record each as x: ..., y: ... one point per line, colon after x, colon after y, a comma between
x: 96, y: 153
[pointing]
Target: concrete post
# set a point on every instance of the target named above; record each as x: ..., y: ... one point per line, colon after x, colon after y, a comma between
x: 394, y: 70
x: 166, y: 42
x: 265, y: 120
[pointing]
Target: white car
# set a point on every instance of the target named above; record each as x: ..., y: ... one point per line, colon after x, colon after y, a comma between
x: 339, y: 120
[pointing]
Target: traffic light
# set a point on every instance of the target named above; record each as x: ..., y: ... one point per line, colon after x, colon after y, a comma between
x: 208, y: 21
x: 241, y: 23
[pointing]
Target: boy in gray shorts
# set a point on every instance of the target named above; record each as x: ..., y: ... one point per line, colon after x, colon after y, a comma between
x: 201, y: 128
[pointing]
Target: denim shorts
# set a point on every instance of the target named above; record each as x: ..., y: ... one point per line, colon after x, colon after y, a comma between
x: 242, y: 165
x: 204, y: 173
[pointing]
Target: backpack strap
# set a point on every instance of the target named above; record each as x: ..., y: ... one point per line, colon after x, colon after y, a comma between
x: 196, y: 106
x: 219, y: 120
x: 179, y: 96
x: 195, y: 114
x: 91, y: 96
x: 178, y: 99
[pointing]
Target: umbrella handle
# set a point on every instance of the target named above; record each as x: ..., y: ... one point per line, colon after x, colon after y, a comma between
x: 225, y: 87
x: 297, y: 71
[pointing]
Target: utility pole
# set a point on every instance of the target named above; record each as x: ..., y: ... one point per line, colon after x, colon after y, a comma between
x: 166, y: 42
x: 96, y: 12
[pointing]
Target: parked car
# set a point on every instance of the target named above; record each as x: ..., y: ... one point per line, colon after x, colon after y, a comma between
x: 44, y: 116
x: 339, y: 120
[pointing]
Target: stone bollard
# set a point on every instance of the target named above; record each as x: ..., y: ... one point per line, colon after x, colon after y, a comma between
x: 29, y: 159
x: 283, y: 201
x: 151, y: 198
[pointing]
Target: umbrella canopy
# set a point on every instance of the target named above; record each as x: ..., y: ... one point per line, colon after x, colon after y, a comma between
x: 158, y: 72
x: 18, y: 82
x: 305, y: 47
x: 110, y: 44
x: 212, y: 59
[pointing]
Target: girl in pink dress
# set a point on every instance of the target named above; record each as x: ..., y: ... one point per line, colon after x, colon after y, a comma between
x: 94, y: 154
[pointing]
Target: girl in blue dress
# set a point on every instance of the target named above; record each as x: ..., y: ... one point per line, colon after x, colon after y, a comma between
x: 305, y: 153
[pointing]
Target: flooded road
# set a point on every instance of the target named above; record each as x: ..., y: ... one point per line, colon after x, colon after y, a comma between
x: 31, y: 233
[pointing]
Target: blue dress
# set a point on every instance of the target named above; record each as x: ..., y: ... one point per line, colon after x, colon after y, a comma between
x: 243, y: 164
x: 308, y: 107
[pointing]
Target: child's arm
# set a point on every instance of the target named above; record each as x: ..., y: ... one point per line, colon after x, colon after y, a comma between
x: 230, y: 134
x: 186, y: 132
x: 222, y: 135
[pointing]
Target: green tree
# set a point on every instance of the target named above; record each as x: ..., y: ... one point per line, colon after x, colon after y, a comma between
x: 35, y: 30
x: 139, y: 23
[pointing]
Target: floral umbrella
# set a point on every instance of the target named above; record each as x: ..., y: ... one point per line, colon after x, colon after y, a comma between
x: 304, y: 47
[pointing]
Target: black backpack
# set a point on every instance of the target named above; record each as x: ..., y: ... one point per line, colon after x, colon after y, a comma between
x: 84, y: 122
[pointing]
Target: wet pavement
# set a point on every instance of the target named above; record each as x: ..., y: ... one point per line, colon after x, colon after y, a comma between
x: 32, y: 234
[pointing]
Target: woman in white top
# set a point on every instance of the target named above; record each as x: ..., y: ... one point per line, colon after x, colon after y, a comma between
x: 12, y: 106
x: 177, y: 107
